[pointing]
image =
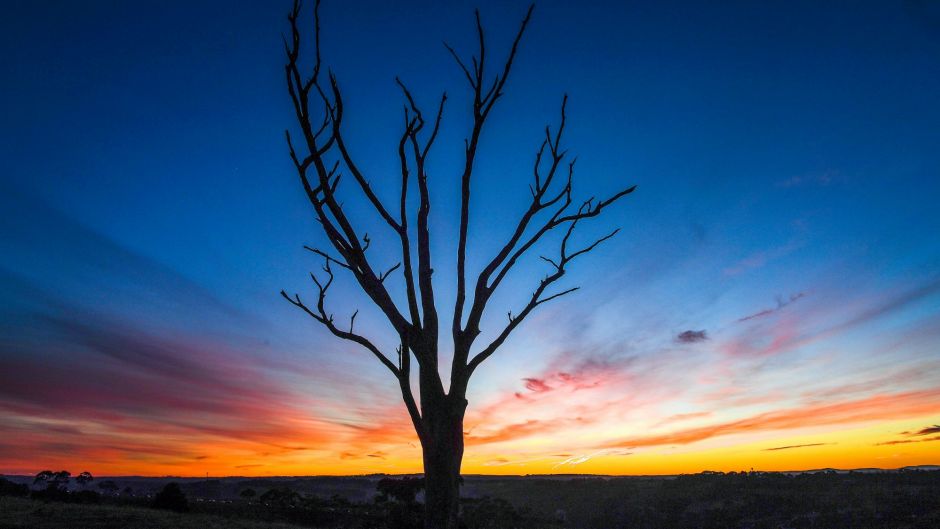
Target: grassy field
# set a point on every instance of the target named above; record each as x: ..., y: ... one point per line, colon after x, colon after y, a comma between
x: 21, y: 513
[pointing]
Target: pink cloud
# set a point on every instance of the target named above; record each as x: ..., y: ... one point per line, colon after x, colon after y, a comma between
x: 879, y: 407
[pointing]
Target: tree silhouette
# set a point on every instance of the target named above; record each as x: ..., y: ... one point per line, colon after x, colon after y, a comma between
x: 43, y: 477
x: 282, y: 496
x: 171, y: 497
x: 404, y: 490
x: 52, y: 480
x: 108, y: 486
x: 84, y: 478
x: 438, y: 412
x: 248, y: 494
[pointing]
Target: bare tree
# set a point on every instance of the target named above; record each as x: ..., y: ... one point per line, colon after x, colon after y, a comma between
x: 438, y: 412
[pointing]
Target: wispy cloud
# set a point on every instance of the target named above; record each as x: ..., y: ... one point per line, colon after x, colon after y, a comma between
x: 584, y: 458
x: 881, y: 407
x: 514, y: 431
x: 818, y: 178
x: 761, y: 258
x: 790, y: 447
x: 916, y: 437
x: 691, y: 336
x: 906, y: 441
x: 537, y: 385
x: 928, y: 430
x: 781, y: 303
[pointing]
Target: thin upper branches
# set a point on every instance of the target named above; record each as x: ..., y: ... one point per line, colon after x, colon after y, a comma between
x: 483, y: 101
x: 323, y: 155
x: 320, y: 314
x: 321, y: 183
x: 551, y: 154
x: 539, y: 296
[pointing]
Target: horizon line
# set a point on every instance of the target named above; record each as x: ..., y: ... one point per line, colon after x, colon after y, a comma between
x: 934, y: 467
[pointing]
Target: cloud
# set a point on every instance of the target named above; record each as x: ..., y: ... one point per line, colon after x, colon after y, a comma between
x: 795, y: 446
x: 536, y: 385
x: 928, y: 430
x: 513, y: 431
x: 502, y: 461
x: 761, y: 258
x: 583, y: 458
x: 819, y: 178
x: 781, y: 303
x: 124, y: 398
x: 906, y: 441
x: 684, y: 417
x: 879, y: 407
x: 691, y: 336
x: 75, y: 265
x: 790, y: 334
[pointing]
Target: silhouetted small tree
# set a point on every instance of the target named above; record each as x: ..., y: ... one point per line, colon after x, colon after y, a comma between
x: 248, y: 494
x: 402, y: 490
x: 399, y: 497
x: 84, y: 478
x: 171, y: 498
x: 489, y: 513
x: 61, y: 478
x: 53, y: 485
x: 109, y: 486
x: 281, y: 497
x: 43, y: 477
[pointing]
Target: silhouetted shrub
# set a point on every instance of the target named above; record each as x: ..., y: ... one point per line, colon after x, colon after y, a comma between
x: 52, y: 492
x: 171, y: 498
x: 85, y: 496
x: 84, y: 478
x: 8, y: 488
x: 248, y: 494
x: 281, y: 497
x: 489, y: 513
x: 403, y: 515
x: 52, y: 480
x: 109, y: 486
x: 404, y: 490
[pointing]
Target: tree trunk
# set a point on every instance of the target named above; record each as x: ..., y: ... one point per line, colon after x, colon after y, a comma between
x: 443, y: 454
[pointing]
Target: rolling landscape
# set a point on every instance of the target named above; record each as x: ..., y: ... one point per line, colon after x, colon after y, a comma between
x: 864, y: 498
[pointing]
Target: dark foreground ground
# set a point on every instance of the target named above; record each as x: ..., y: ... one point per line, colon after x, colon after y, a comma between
x: 900, y: 499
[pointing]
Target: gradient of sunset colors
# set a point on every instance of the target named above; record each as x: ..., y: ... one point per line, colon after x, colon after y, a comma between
x: 772, y: 300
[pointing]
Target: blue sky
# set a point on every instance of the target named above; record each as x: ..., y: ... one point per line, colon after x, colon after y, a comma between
x: 786, y: 156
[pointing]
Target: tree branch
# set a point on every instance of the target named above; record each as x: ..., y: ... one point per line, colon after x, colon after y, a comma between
x: 332, y: 217
x: 425, y: 270
x: 538, y: 296
x: 326, y: 320
x: 482, y: 104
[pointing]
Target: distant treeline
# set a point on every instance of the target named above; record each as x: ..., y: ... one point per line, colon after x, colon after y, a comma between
x: 745, y: 500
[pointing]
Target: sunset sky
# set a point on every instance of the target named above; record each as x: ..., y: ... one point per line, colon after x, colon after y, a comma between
x: 771, y: 302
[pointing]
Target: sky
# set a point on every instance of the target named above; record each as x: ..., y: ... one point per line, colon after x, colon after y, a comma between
x: 772, y: 300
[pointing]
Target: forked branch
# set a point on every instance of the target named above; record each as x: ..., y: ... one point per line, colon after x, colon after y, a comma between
x: 320, y: 314
x: 539, y: 296
x: 483, y: 102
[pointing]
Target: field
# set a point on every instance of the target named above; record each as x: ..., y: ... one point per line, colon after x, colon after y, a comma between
x: 21, y: 513
x: 874, y: 499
